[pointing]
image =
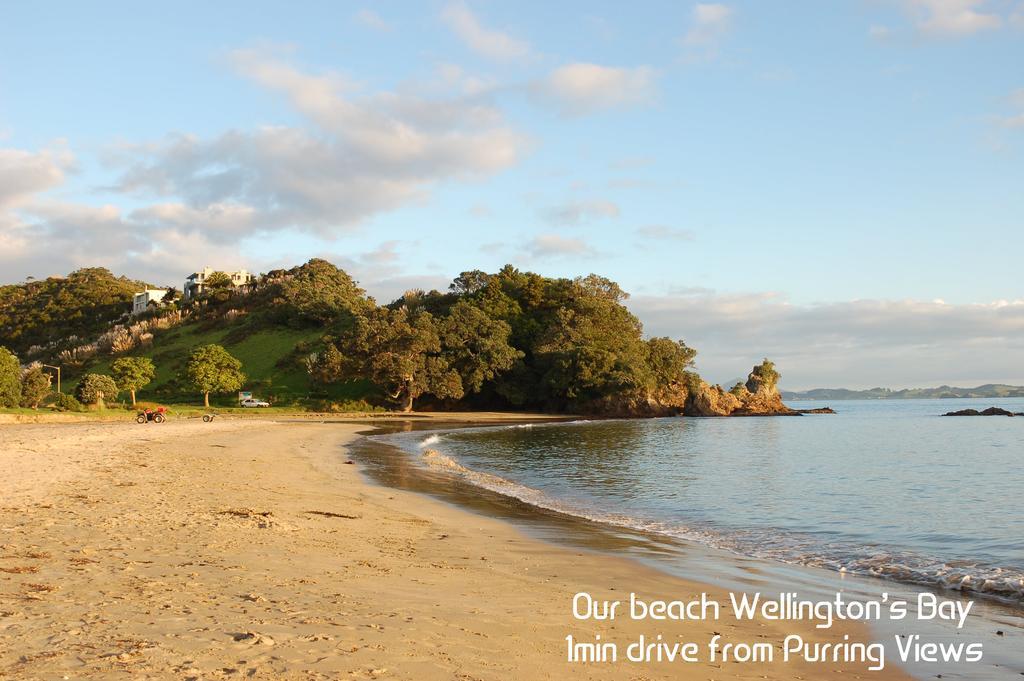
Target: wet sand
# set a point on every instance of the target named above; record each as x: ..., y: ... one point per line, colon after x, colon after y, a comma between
x: 248, y: 549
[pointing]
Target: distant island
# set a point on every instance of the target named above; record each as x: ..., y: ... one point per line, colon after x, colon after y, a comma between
x: 989, y: 390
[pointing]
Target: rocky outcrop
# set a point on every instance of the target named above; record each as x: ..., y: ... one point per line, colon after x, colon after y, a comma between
x: 759, y: 396
x: 991, y: 411
x: 711, y: 400
x: 668, y: 400
x: 818, y: 410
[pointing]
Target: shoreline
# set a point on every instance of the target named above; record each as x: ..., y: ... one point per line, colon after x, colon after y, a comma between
x: 289, y: 560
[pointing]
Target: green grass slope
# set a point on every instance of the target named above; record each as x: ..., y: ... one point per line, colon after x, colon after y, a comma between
x: 271, y: 356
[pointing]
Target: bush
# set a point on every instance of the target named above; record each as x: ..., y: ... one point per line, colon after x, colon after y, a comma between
x: 10, y: 379
x: 35, y: 386
x: 65, y: 402
x: 347, y: 406
x: 95, y: 388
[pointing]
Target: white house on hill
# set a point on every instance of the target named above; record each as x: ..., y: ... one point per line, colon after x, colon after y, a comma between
x: 142, y: 300
x: 196, y: 282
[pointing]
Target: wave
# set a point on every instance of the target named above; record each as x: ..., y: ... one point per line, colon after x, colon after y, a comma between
x: 428, y: 441
x: 997, y: 583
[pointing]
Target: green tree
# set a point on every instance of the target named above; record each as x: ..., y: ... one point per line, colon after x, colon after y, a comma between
x: 328, y: 367
x: 212, y: 369
x: 669, y: 361
x: 96, y: 389
x: 592, y: 348
x: 400, y: 351
x: 218, y: 287
x: 35, y: 386
x: 314, y: 293
x: 133, y: 374
x: 763, y: 375
x: 10, y: 379
x: 475, y: 346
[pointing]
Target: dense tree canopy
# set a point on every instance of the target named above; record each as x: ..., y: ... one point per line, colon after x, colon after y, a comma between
x: 400, y: 350
x: 475, y: 346
x: 314, y: 293
x: 513, y: 338
x: 79, y: 306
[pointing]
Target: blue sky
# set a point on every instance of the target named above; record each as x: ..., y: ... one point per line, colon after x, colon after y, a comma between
x: 837, y: 184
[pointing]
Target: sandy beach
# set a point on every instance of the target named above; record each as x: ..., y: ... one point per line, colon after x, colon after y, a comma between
x: 250, y: 549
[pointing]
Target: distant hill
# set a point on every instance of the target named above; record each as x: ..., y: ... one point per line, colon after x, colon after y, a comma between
x: 989, y: 390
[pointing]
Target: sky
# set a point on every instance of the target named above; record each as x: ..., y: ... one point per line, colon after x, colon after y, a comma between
x: 836, y: 185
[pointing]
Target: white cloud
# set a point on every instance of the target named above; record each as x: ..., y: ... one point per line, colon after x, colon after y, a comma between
x: 363, y: 154
x: 484, y: 41
x: 24, y: 173
x: 385, y: 253
x: 47, y: 237
x: 952, y: 18
x: 371, y: 19
x: 576, y: 212
x: 555, y: 246
x: 1017, y: 17
x: 1016, y: 118
x: 710, y: 23
x: 665, y: 233
x: 582, y: 88
x: 203, y: 199
x: 862, y: 343
x: 1003, y: 126
x: 454, y: 77
x: 880, y: 33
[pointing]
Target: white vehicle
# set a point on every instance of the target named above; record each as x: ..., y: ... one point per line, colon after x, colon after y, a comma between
x: 253, y: 402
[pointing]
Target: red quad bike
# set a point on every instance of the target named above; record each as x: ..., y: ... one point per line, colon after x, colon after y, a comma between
x: 154, y: 415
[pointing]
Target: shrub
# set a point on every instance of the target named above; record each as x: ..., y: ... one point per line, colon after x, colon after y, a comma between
x: 35, y: 386
x: 10, y: 379
x: 65, y: 402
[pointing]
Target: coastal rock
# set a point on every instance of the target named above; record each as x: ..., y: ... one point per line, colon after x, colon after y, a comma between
x: 991, y: 411
x: 759, y: 396
x: 819, y: 410
x: 668, y: 400
x: 712, y: 400
x: 765, y: 401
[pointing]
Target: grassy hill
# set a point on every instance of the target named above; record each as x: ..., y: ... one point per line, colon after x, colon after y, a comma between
x: 81, y: 322
x: 272, y: 359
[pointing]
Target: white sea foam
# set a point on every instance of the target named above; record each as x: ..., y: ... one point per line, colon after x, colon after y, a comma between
x: 429, y: 440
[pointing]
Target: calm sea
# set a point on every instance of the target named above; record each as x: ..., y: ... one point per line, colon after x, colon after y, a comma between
x: 882, y: 488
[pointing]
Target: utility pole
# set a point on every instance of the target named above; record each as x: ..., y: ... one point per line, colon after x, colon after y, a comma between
x: 50, y: 366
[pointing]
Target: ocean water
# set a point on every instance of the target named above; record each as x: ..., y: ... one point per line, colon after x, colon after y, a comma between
x: 885, y: 489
